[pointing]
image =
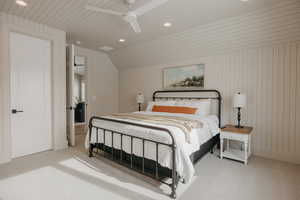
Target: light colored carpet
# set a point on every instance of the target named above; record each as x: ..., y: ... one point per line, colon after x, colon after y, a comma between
x: 71, y: 175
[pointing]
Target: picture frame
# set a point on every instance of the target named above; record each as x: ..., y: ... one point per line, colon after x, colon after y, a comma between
x: 184, y: 77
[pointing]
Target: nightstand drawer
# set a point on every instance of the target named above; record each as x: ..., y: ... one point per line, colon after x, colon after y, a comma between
x: 234, y: 136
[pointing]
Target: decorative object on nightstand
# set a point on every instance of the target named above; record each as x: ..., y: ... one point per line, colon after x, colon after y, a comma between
x: 239, y: 101
x: 140, y: 100
x: 230, y: 132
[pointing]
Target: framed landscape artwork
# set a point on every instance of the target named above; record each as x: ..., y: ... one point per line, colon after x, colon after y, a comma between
x: 185, y: 77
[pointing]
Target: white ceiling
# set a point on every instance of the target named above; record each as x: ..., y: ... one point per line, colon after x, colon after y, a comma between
x: 97, y: 29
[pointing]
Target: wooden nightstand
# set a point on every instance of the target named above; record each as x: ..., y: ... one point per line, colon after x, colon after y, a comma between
x: 230, y: 132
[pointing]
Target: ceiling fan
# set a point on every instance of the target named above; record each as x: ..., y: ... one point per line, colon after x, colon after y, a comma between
x: 130, y: 16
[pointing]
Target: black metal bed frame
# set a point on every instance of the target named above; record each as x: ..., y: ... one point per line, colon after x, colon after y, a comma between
x: 141, y: 164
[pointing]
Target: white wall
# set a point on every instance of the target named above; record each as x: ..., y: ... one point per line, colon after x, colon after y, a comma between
x: 10, y: 23
x: 102, y: 82
x: 258, y: 53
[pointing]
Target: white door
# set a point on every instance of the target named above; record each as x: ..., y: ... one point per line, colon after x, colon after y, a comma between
x: 30, y: 60
x: 70, y: 96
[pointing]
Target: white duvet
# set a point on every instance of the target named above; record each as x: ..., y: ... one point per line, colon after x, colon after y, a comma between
x: 184, y: 165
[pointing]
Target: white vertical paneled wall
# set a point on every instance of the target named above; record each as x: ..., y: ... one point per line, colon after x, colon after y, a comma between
x: 269, y: 75
x: 257, y: 53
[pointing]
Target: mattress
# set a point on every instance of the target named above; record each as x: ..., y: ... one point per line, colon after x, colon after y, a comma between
x: 184, y: 149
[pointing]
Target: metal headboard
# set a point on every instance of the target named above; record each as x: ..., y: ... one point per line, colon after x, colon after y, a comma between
x: 197, y: 94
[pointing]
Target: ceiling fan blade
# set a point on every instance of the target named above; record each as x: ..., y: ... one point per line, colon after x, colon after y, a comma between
x: 135, y: 26
x: 149, y: 6
x: 97, y: 9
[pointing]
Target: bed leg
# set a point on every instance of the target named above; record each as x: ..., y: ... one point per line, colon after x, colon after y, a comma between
x: 91, y: 150
x: 173, y: 194
x: 175, y: 177
x: 212, y: 149
x: 174, y: 187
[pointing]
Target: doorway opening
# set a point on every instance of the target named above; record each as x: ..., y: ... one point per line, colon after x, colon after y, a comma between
x: 77, y: 122
x: 79, y: 96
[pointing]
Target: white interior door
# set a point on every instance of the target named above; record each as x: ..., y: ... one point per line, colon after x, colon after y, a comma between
x: 70, y: 96
x: 30, y: 60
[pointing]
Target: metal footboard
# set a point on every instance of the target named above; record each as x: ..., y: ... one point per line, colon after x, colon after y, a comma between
x: 119, y: 158
x: 213, y: 95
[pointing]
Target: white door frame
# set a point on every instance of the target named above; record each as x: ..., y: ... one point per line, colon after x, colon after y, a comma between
x: 70, y: 101
x: 71, y: 53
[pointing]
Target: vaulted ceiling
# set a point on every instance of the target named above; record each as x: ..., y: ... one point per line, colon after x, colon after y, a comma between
x: 96, y: 29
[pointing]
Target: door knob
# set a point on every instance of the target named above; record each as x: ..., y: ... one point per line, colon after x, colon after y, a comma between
x: 14, y: 111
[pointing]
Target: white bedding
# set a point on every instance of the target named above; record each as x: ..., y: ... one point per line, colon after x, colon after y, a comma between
x: 184, y: 165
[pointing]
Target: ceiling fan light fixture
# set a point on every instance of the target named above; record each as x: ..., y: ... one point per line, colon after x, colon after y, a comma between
x: 130, y: 17
x: 167, y: 24
x: 21, y: 3
x: 106, y: 48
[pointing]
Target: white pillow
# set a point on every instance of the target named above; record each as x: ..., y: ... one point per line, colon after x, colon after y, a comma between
x: 159, y: 103
x: 203, y: 106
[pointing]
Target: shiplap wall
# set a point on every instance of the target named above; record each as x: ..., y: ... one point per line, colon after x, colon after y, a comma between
x: 269, y: 75
x: 258, y: 53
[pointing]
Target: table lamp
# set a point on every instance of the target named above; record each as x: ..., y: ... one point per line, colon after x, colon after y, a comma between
x: 140, y: 100
x: 239, y: 101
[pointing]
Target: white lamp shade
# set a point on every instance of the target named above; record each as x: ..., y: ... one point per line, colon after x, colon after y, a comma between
x: 140, y: 98
x: 239, y: 100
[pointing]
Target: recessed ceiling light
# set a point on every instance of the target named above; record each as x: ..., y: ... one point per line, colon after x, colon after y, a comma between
x: 21, y: 3
x: 121, y: 40
x: 106, y: 48
x: 78, y: 42
x: 244, y: 0
x: 167, y: 24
